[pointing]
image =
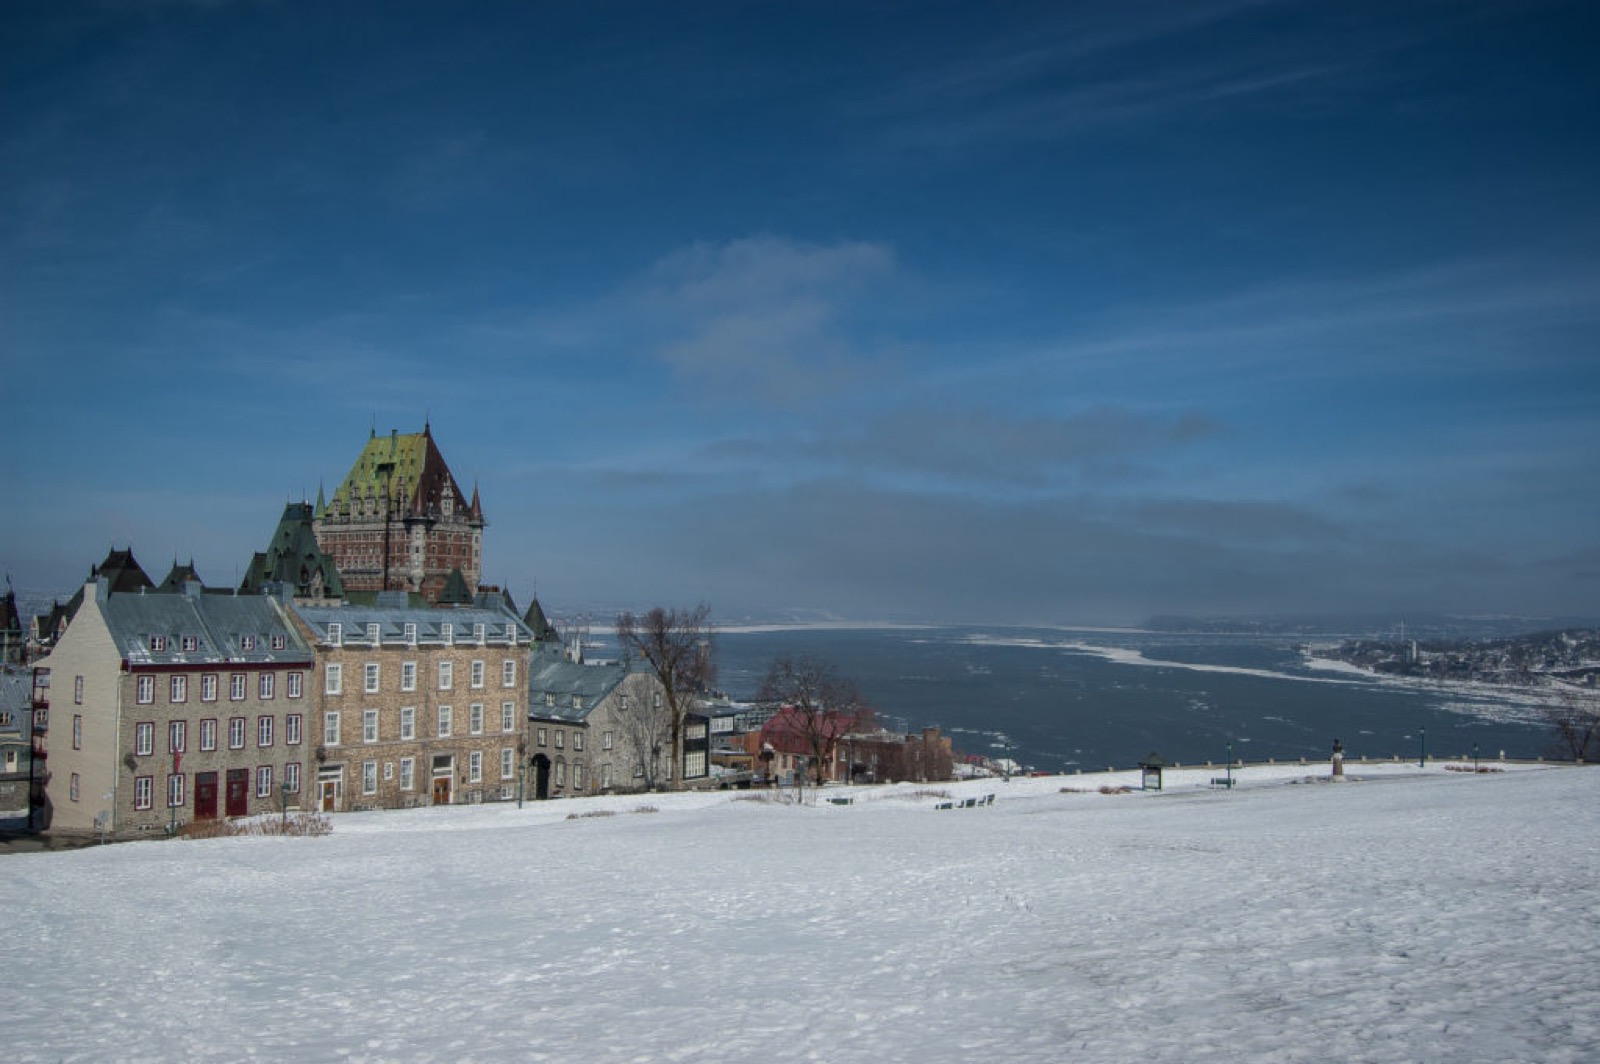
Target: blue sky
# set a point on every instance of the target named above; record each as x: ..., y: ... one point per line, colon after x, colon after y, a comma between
x: 916, y: 311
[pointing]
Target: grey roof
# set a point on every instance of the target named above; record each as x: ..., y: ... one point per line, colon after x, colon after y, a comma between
x: 151, y: 628
x: 16, y: 698
x: 430, y: 622
x: 564, y: 690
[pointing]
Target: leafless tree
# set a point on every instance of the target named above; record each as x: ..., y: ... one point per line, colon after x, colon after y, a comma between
x: 813, y: 705
x: 676, y: 644
x: 1577, y: 724
x: 645, y: 726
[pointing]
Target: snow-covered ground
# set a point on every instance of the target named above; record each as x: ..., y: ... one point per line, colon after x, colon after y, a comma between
x: 1408, y: 916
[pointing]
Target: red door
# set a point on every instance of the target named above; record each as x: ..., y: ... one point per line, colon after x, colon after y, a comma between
x: 238, y: 791
x: 205, y: 795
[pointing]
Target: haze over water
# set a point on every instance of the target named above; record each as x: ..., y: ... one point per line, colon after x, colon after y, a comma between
x: 1064, y: 704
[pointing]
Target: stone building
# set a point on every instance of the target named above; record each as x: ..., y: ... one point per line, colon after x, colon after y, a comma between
x: 170, y: 707
x: 415, y: 706
x: 398, y: 521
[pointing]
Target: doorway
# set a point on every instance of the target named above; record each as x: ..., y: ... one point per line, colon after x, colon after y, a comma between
x: 205, y: 796
x: 541, y: 777
x: 238, y: 791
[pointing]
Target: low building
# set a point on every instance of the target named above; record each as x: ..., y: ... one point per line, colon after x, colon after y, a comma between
x: 168, y: 707
x: 890, y: 757
x: 16, y: 749
x: 415, y: 706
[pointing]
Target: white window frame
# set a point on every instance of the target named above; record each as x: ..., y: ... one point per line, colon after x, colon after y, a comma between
x: 145, y: 687
x: 330, y: 728
x: 208, y: 733
x: 508, y: 673
x: 476, y: 674
x: 264, y: 730
x: 508, y: 716
x: 445, y: 721
x: 475, y: 767
x: 408, y: 773
x: 371, y: 677
x: 236, y: 686
x: 447, y: 675
x: 369, y: 777
x: 408, y: 723
x: 236, y: 733
x: 291, y: 729
x: 177, y: 688
x: 144, y: 738
x: 293, y: 684
x: 144, y: 792
x: 335, y: 636
x: 508, y: 762
x: 263, y: 781
x: 475, y: 718
x: 333, y: 679
x: 408, y: 676
x: 291, y: 777
x: 265, y: 686
x: 177, y: 736
x: 369, y: 725
x: 208, y: 687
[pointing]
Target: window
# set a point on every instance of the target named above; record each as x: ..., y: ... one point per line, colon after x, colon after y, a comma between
x: 561, y: 739
x: 511, y: 634
x: 605, y: 776
x: 77, y: 731
x: 77, y: 690
x: 408, y: 773
x: 561, y: 773
x: 292, y: 684
x: 369, y: 726
x: 291, y: 777
x: 247, y: 642
x: 446, y: 675
x: 330, y: 729
x: 408, y: 722
x: 264, y: 781
x: 369, y: 777
x: 235, y: 733
x: 335, y: 634
x: 410, y: 630
x: 444, y: 721
x: 236, y: 687
x: 178, y: 689
x: 144, y: 739
x: 477, y: 634
x: 291, y: 729
x: 144, y: 792
x: 177, y: 732
x: 447, y: 632
x: 175, y: 789
x: 208, y: 687
x: 264, y: 687
x: 147, y: 690
x: 508, y: 716
x: 542, y: 736
x: 577, y: 776
x: 72, y: 791
x: 477, y: 674
x: 158, y: 643
x: 263, y: 731
x: 189, y: 642
x: 208, y: 734
x: 475, y: 767
x: 408, y: 676
x: 475, y: 718
x: 374, y: 633
x: 333, y: 681
x: 508, y: 763
x: 605, y: 741
x: 370, y: 674
x: 508, y: 673
x: 577, y: 741
x: 279, y: 641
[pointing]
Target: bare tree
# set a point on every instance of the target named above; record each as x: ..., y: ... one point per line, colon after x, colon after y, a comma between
x: 813, y: 705
x: 1577, y: 725
x: 676, y: 644
x: 646, y: 727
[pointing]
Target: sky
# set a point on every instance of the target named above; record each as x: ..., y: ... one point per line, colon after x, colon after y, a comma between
x: 1045, y: 313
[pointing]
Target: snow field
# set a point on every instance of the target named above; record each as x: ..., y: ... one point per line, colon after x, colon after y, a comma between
x: 1410, y: 917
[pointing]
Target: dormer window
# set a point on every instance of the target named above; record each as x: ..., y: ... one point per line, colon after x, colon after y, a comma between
x: 279, y: 642
x: 549, y: 698
x: 577, y: 701
x: 411, y: 633
x: 335, y: 633
x: 373, y: 633
x: 189, y: 642
x: 247, y: 642
x: 447, y: 632
x: 477, y: 634
x: 158, y: 643
x: 511, y: 634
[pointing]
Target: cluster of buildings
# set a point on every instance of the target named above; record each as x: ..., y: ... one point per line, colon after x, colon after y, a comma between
x: 361, y: 664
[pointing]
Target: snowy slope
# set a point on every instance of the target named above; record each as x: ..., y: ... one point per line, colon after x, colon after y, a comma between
x: 1408, y: 917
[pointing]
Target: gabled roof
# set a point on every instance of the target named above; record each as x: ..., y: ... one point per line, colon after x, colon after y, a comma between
x: 180, y: 575
x: 559, y: 689
x: 543, y: 630
x: 295, y: 558
x: 430, y: 623
x: 152, y: 628
x: 121, y: 572
x: 455, y: 591
x: 410, y: 470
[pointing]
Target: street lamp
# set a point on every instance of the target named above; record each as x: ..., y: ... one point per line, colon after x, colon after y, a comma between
x: 283, y: 803
x: 1474, y: 757
x: 1422, y: 753
x: 1230, y: 766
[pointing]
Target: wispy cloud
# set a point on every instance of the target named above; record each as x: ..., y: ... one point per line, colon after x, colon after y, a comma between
x: 768, y: 318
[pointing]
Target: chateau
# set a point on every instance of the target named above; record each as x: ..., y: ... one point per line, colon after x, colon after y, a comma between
x: 398, y: 522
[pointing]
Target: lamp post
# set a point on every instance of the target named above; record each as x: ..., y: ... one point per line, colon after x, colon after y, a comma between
x: 1230, y: 766
x: 283, y: 803
x: 1474, y: 758
x: 1422, y: 753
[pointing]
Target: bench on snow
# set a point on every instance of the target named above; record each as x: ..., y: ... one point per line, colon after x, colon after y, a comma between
x: 1223, y: 781
x: 967, y: 803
